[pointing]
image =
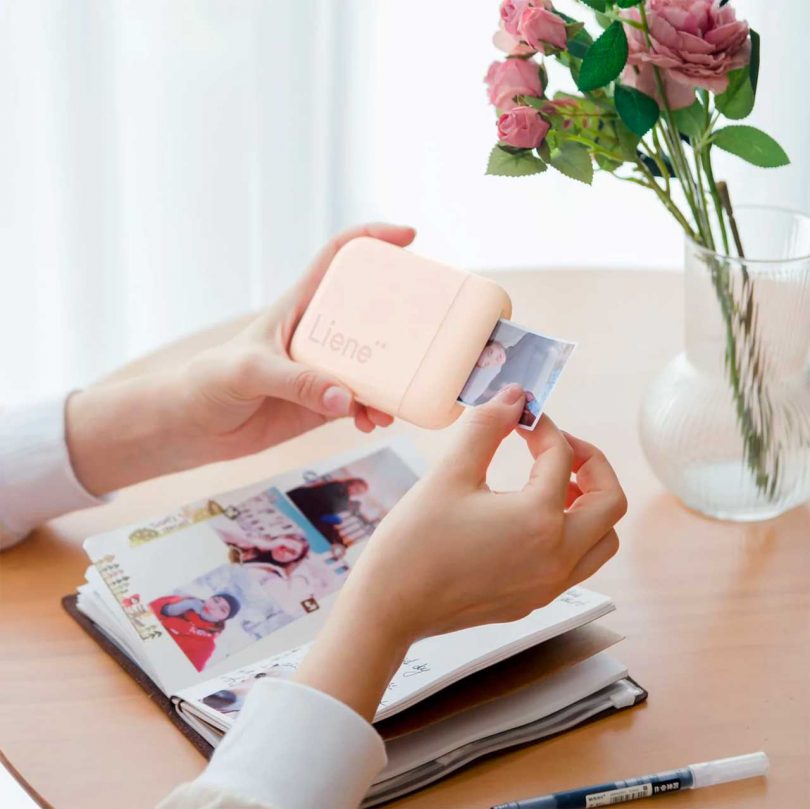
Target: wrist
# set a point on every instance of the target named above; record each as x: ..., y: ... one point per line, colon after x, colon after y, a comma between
x: 122, y: 433
x: 354, y: 657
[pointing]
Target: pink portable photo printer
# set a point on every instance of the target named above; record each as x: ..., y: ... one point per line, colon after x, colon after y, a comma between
x: 401, y: 331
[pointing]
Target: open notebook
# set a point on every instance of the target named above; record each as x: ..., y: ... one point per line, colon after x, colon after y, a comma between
x: 200, y: 604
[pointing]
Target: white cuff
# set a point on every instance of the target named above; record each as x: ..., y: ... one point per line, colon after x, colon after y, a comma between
x: 37, y: 481
x: 294, y: 747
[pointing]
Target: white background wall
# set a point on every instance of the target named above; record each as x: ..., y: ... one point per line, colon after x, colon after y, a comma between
x: 164, y: 165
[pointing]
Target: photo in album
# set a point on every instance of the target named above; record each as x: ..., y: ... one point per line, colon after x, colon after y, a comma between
x: 348, y: 503
x: 515, y: 355
x: 230, y: 700
x: 285, y: 553
x: 218, y: 614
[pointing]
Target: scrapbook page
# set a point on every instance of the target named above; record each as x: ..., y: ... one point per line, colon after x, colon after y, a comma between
x: 248, y: 574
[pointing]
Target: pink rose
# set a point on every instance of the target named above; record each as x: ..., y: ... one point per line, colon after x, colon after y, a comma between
x: 540, y: 26
x: 522, y: 127
x: 511, y: 78
x: 695, y: 43
x: 511, y: 11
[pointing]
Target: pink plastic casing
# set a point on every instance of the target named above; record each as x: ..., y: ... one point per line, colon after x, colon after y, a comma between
x: 402, y: 332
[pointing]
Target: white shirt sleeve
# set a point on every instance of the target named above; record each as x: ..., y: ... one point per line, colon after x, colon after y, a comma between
x: 37, y: 481
x: 292, y: 747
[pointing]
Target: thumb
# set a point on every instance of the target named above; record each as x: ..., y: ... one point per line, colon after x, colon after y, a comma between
x: 482, y: 432
x: 283, y: 378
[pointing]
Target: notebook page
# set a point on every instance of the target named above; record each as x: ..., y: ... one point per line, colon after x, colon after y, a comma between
x: 430, y: 665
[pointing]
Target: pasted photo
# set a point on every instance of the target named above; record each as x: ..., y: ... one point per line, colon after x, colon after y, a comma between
x: 283, y: 553
x: 514, y: 355
x: 346, y: 504
x: 230, y: 700
x: 219, y: 614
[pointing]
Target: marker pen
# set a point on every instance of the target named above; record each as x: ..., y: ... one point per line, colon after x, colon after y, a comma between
x: 705, y: 774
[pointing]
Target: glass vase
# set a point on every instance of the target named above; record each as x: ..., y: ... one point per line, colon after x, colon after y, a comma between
x: 726, y: 425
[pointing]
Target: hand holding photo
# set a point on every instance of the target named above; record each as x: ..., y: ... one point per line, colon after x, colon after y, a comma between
x: 515, y: 355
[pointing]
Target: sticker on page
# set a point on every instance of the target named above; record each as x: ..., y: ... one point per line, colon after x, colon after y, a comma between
x: 516, y: 355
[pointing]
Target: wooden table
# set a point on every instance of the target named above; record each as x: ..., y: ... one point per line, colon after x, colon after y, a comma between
x: 715, y: 615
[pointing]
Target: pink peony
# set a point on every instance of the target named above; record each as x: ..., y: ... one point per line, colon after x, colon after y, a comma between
x: 539, y: 26
x: 695, y: 43
x: 505, y: 80
x: 522, y: 127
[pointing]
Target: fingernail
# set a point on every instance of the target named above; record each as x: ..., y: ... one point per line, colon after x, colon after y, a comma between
x: 510, y: 394
x: 337, y: 401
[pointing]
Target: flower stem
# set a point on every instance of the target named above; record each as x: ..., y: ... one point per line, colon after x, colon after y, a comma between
x: 673, y: 140
x: 665, y: 198
x: 706, y: 159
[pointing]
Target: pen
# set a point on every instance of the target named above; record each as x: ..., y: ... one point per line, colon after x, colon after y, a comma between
x: 705, y: 774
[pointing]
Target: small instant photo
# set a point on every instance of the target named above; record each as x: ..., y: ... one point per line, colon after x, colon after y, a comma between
x: 516, y: 355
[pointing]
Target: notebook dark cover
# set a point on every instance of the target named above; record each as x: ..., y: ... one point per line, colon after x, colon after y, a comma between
x: 152, y: 691
x: 167, y: 706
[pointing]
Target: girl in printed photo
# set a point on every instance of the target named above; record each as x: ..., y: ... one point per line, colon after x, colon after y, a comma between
x: 195, y: 623
x: 285, y: 567
x: 282, y: 552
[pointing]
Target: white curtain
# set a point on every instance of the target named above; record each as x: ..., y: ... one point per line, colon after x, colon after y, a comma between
x: 162, y: 167
x: 165, y: 164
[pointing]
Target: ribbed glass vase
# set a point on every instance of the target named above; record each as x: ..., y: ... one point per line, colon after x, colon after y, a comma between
x: 726, y: 425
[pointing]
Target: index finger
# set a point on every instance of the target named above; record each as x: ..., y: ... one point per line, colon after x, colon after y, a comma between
x: 551, y: 470
x: 602, y: 501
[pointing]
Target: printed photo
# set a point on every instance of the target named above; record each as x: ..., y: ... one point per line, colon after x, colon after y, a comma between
x: 348, y: 503
x: 230, y: 700
x: 226, y: 694
x: 219, y: 614
x: 514, y: 355
x: 281, y: 550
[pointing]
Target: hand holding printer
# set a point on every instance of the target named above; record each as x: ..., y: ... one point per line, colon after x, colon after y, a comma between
x: 233, y: 399
x: 454, y: 554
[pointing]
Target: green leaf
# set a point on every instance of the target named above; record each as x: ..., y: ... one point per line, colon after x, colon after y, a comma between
x: 574, y: 160
x: 628, y: 141
x: 690, y: 120
x: 597, y: 5
x: 638, y: 110
x: 602, y: 19
x: 753, y: 65
x: 605, y: 59
x: 738, y: 99
x: 579, y: 43
x: 606, y: 163
x: 627, y: 3
x: 751, y: 144
x: 513, y: 164
x: 578, y: 40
